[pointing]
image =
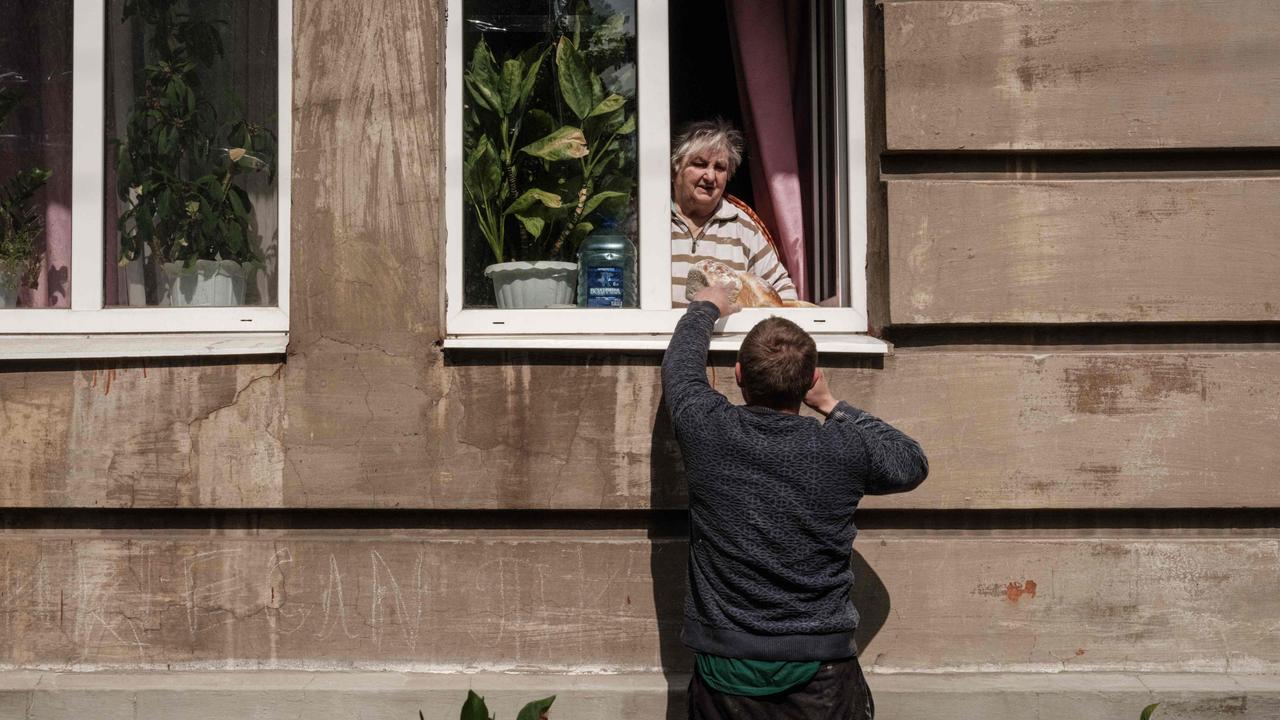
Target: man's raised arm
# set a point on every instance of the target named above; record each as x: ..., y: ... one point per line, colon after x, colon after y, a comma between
x: 895, y: 462
x: 684, y: 366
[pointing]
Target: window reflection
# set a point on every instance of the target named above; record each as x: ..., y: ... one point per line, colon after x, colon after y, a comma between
x: 35, y: 154
x: 192, y: 211
x: 549, y: 169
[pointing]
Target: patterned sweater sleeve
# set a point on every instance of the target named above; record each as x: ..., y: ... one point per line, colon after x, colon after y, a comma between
x: 684, y: 366
x: 895, y: 462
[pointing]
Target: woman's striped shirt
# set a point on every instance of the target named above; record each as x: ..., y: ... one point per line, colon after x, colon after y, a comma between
x: 731, y: 237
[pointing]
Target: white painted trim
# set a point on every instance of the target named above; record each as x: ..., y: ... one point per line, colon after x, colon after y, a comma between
x: 284, y: 157
x: 653, y: 99
x: 835, y: 344
x: 144, y: 320
x: 140, y: 345
x: 653, y: 103
x: 614, y: 322
x: 88, y: 327
x: 452, y: 147
x: 856, y: 133
x: 88, y: 113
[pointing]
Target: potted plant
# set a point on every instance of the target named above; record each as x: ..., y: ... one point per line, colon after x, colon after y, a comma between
x: 540, y: 158
x: 20, y: 221
x: 181, y: 168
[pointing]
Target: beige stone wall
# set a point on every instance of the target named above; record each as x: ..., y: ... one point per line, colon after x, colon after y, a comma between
x: 1102, y: 442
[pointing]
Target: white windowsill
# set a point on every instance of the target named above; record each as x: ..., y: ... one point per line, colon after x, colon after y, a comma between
x: 833, y: 343
x: 140, y: 345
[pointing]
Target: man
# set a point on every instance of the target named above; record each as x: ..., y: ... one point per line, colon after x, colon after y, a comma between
x: 771, y: 502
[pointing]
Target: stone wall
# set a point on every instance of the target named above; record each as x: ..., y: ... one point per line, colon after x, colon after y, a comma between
x: 1084, y: 316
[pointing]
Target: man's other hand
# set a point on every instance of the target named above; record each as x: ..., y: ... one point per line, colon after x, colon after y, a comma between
x: 717, y: 295
x: 819, y: 396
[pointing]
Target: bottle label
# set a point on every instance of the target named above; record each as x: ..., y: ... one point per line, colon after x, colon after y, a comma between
x: 604, y: 287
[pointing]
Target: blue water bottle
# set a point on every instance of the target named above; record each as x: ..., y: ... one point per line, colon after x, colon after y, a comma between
x: 607, y: 270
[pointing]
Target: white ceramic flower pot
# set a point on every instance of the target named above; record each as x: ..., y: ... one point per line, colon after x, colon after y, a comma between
x: 8, y: 289
x: 533, y: 284
x: 210, y: 283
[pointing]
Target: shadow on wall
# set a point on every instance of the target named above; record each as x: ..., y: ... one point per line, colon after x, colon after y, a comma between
x: 668, y: 564
x: 668, y: 560
x: 871, y: 598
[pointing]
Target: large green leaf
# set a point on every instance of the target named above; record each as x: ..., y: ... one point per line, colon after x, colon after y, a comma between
x: 580, y: 233
x: 482, y: 171
x: 482, y: 78
x: 567, y: 143
x: 512, y: 80
x: 474, y: 708
x: 531, y: 197
x: 531, y: 76
x: 535, y: 709
x: 480, y: 98
x: 532, y: 224
x: 608, y: 105
x: 595, y: 200
x: 597, y: 90
x: 1146, y: 711
x: 575, y: 78
x: 533, y: 209
x: 537, y: 123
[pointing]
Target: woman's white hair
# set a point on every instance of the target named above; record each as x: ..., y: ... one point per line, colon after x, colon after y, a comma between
x: 702, y: 135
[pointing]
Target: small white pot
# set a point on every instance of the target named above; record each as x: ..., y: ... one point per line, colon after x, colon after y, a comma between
x: 533, y: 284
x: 8, y: 289
x: 210, y: 283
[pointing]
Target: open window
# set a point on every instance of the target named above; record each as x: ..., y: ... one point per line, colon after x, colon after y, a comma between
x: 559, y: 122
x: 144, y: 165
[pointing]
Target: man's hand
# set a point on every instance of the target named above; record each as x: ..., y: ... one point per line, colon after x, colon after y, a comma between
x: 717, y: 295
x: 819, y: 396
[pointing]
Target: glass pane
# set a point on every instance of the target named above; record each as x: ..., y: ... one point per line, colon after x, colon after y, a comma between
x: 35, y: 154
x: 549, y: 140
x: 775, y: 74
x: 192, y: 207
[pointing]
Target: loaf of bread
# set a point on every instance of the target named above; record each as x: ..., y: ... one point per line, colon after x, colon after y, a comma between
x: 745, y: 289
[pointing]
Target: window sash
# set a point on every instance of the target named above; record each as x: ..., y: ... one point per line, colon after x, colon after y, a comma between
x: 87, y: 314
x: 655, y: 315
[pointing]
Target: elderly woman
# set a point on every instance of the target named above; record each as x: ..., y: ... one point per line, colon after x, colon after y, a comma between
x: 708, y: 225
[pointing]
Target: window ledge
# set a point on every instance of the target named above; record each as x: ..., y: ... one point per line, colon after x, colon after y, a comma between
x: 831, y: 343
x: 140, y: 345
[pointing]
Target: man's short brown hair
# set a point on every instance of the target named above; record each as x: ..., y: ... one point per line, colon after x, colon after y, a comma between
x: 778, y: 360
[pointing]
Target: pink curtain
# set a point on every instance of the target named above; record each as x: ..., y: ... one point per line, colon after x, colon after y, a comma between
x: 769, y: 39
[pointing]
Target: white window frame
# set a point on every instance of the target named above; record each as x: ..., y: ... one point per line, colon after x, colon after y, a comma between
x: 87, y: 328
x: 836, y: 329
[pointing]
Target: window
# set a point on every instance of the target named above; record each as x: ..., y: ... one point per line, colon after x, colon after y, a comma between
x: 558, y: 123
x: 144, y: 158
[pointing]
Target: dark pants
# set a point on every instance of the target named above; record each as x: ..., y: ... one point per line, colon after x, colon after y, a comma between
x: 837, y: 692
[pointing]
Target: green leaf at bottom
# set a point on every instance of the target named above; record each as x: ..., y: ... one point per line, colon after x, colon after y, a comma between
x: 474, y: 708
x: 535, y: 709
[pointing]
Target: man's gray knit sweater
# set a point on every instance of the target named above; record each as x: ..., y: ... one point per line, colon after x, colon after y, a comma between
x: 771, y: 502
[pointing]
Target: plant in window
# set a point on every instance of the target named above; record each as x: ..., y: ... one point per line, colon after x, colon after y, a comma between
x: 541, y: 159
x: 182, y: 168
x: 474, y: 708
x: 21, y: 223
